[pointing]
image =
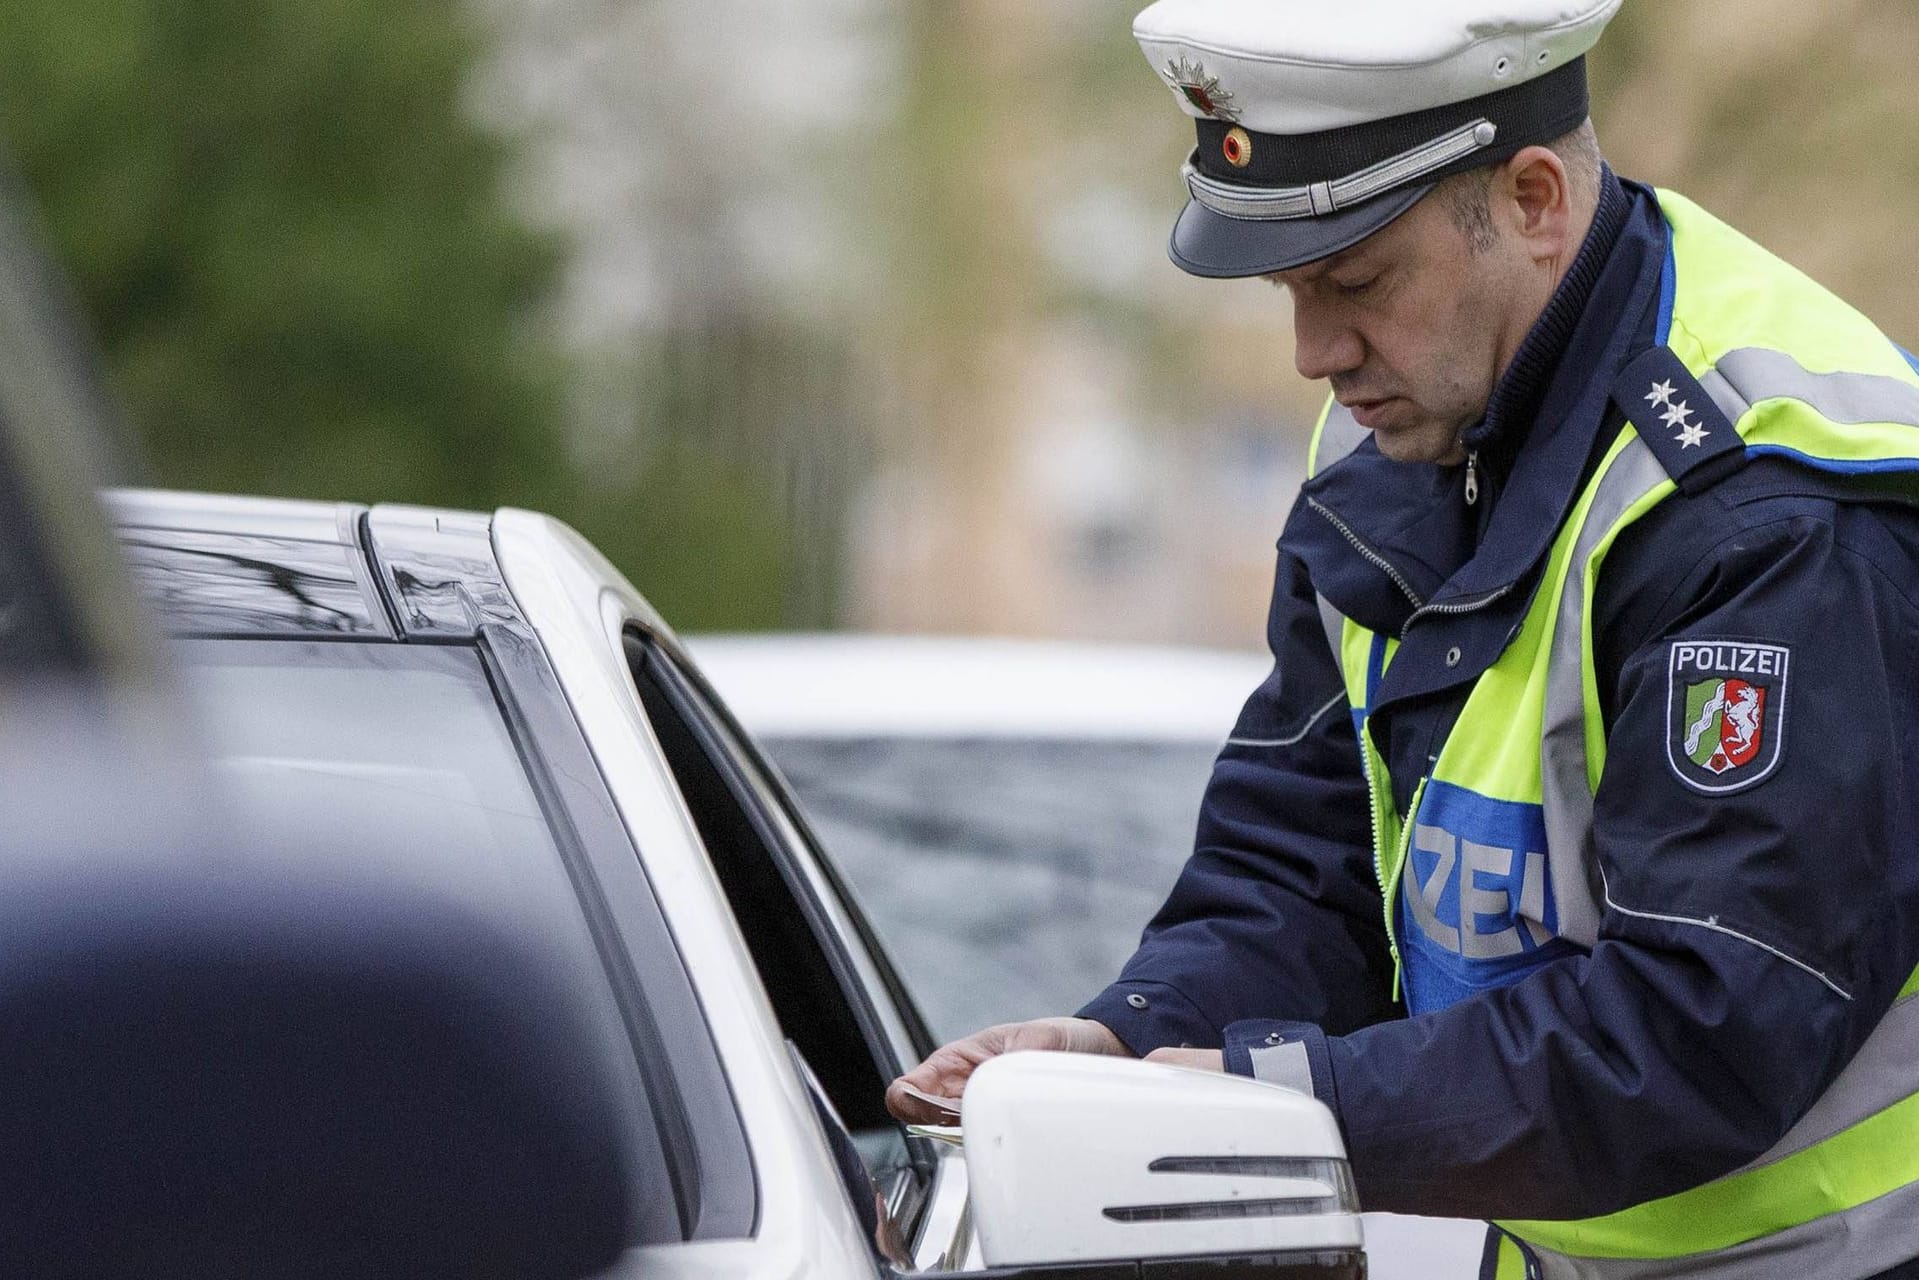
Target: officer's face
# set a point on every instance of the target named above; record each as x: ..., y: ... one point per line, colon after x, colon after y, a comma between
x: 1414, y: 325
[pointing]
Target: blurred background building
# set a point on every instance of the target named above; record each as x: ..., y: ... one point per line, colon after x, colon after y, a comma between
x: 811, y: 313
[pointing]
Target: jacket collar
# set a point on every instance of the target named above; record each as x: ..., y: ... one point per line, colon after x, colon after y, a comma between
x: 1517, y: 399
x: 1382, y: 538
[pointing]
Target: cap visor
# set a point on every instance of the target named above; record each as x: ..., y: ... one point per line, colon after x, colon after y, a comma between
x: 1206, y: 243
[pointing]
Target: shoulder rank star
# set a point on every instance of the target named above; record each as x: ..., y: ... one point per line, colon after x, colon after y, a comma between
x: 1190, y: 81
x: 1691, y: 434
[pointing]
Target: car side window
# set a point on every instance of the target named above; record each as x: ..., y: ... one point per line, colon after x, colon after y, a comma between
x: 405, y: 750
x: 836, y: 1000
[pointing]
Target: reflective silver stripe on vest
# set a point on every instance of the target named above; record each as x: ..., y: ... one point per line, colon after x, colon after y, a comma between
x: 1745, y: 377
x: 1335, y: 624
x: 1564, y: 790
x: 1878, y: 1076
x: 1338, y: 436
x: 1861, y: 1241
x: 1855, y: 1242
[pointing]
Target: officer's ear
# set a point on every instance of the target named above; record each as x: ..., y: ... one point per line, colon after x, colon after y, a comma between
x: 1534, y: 194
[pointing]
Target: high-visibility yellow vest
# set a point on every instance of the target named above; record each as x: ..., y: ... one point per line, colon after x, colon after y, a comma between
x: 1800, y: 374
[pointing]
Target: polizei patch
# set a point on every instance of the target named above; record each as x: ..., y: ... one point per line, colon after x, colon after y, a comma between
x: 1726, y: 712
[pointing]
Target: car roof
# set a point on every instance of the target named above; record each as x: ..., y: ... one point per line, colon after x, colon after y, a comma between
x: 296, y: 518
x: 214, y: 564
x: 913, y: 686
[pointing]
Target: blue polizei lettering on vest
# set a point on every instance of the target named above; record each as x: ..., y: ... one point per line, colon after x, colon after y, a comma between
x: 1476, y: 907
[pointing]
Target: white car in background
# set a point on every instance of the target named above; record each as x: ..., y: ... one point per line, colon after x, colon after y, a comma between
x: 1010, y: 814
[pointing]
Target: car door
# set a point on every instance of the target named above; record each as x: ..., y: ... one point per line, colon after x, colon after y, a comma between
x: 809, y: 1018
x: 841, y: 1003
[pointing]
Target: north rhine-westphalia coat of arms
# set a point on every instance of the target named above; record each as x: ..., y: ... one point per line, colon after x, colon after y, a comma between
x: 1726, y: 712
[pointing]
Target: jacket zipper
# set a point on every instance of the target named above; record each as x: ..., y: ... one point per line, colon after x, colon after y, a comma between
x: 1457, y: 606
x: 1390, y: 887
x: 1472, y: 477
x: 1420, y: 607
x: 1371, y: 556
x: 1375, y: 810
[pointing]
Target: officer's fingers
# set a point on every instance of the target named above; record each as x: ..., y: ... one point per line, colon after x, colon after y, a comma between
x: 913, y: 1110
x: 943, y: 1075
x: 947, y: 1069
x: 922, y: 1097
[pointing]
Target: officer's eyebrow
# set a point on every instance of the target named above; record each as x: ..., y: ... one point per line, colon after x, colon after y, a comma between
x: 1313, y: 272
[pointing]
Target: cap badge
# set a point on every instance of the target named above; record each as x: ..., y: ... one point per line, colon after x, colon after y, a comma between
x: 1190, y: 81
x: 1238, y: 147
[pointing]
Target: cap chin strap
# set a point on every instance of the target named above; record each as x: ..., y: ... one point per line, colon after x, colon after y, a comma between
x: 1273, y: 204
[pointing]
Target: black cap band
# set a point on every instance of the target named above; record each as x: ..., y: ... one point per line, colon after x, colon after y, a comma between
x: 1525, y: 115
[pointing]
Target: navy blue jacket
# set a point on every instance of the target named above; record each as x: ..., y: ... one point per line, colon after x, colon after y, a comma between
x: 1671, y: 1053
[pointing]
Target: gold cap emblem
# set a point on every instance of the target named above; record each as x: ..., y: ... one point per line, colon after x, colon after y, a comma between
x: 1237, y: 147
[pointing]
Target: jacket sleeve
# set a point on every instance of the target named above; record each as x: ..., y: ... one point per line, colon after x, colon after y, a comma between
x: 1277, y: 913
x: 1752, y: 938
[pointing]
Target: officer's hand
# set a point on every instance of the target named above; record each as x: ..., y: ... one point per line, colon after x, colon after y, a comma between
x: 1197, y: 1059
x: 945, y: 1073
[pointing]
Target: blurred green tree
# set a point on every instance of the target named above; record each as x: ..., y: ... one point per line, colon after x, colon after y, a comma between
x: 292, y: 242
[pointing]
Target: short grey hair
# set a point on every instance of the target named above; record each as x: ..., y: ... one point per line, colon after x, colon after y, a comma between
x: 1467, y: 194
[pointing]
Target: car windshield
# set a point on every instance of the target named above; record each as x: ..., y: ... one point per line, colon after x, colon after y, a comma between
x: 402, y: 752
x: 1009, y: 877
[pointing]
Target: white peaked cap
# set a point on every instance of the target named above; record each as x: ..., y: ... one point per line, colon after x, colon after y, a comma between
x: 1294, y: 66
x: 1321, y: 122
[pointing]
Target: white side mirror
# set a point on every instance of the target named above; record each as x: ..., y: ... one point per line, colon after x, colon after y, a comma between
x: 1075, y: 1159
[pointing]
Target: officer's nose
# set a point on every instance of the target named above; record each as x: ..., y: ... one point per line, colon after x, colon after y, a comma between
x: 1324, y: 345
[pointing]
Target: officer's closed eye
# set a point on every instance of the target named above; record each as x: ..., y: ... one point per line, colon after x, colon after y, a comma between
x: 1358, y: 287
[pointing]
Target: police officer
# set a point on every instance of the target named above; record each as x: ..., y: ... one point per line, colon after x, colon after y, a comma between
x: 1570, y: 853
